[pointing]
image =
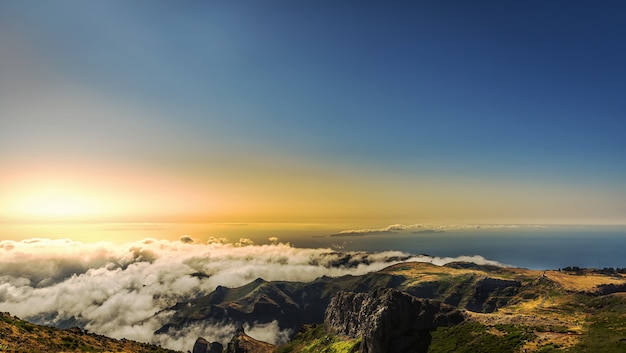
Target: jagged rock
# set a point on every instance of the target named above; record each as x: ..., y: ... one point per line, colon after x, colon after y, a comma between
x: 201, y: 346
x: 216, y: 347
x: 242, y: 343
x: 388, y: 320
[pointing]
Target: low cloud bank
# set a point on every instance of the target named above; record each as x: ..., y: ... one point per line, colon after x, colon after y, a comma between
x: 183, y: 339
x: 123, y: 291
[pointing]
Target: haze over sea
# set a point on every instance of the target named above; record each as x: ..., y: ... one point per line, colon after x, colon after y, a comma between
x: 546, y: 248
x: 528, y: 246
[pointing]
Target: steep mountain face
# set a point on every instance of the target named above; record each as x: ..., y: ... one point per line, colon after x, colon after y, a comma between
x: 290, y: 303
x: 478, y: 289
x: 293, y: 303
x: 388, y: 320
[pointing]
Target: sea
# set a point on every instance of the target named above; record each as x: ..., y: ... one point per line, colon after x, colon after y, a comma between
x: 532, y: 247
x: 545, y: 248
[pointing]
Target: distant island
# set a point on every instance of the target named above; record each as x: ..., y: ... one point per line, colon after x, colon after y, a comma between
x: 360, y: 233
x: 428, y: 231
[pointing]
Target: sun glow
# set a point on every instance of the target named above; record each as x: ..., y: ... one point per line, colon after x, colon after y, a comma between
x: 56, y: 196
x: 58, y: 202
x: 67, y: 194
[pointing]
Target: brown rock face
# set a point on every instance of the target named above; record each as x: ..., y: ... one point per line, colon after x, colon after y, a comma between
x: 388, y: 320
x: 203, y: 346
x: 242, y: 343
x: 216, y: 347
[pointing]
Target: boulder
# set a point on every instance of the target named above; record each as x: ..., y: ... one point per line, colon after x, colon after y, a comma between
x: 216, y: 347
x: 201, y: 346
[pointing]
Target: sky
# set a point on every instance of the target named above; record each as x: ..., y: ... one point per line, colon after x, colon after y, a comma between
x: 261, y: 138
x: 363, y: 113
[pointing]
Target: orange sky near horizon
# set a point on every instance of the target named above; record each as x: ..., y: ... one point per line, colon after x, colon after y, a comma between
x: 114, y: 117
x: 109, y: 193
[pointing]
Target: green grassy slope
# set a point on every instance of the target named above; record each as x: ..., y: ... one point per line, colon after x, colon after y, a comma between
x: 541, y: 311
x: 17, y: 335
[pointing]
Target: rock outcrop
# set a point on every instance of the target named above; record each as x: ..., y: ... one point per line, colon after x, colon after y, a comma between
x: 388, y: 320
x: 203, y: 346
x: 242, y: 343
x: 216, y: 347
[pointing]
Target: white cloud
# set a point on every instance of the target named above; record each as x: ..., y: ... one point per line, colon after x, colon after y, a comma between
x: 244, y: 242
x: 182, y: 339
x: 123, y: 290
x: 269, y: 332
x: 440, y: 261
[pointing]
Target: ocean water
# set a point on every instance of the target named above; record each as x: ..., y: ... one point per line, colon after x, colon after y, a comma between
x: 545, y: 248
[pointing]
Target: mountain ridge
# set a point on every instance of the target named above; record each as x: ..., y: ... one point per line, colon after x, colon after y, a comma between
x: 509, y: 309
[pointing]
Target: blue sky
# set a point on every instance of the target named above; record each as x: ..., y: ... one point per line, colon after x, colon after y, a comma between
x: 521, y: 96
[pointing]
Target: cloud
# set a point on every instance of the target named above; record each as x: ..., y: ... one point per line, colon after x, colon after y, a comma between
x: 269, y: 332
x: 244, y: 242
x: 124, y: 290
x: 184, y: 338
x: 440, y: 261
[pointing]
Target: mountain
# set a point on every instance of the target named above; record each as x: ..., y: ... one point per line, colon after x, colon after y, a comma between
x: 472, y: 287
x: 290, y: 303
x: 510, y: 308
x: 575, y: 311
x: 17, y: 335
x: 409, y: 307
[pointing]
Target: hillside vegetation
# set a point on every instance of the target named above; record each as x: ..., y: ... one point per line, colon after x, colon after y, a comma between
x: 510, y: 310
x: 17, y: 335
x: 504, y: 310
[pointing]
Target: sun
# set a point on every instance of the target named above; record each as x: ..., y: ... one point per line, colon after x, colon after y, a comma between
x: 102, y: 194
x: 55, y: 203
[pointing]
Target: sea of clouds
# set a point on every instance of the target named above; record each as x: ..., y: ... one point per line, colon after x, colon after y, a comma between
x: 125, y: 290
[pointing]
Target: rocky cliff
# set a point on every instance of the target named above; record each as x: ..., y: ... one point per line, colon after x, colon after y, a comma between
x: 242, y: 343
x: 388, y: 320
x: 204, y: 346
